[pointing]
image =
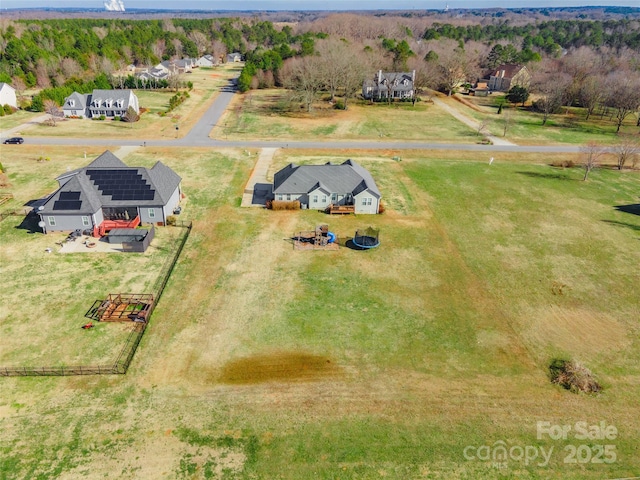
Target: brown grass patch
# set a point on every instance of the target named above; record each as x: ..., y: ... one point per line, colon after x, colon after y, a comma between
x: 278, y: 366
x: 574, y: 331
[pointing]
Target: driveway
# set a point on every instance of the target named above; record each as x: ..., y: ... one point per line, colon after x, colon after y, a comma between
x: 470, y: 122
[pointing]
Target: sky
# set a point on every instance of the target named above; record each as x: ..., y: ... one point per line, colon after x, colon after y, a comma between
x: 315, y: 4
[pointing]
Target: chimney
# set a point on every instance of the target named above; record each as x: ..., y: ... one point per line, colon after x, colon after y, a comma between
x: 379, y: 76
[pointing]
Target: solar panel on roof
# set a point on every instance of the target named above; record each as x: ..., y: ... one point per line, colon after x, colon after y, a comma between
x: 69, y: 195
x: 67, y: 205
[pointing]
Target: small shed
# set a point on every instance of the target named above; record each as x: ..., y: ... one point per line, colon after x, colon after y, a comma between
x: 122, y: 235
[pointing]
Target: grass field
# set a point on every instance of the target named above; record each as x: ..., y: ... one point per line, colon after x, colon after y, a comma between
x: 567, y: 127
x: 265, y: 362
x: 17, y: 118
x: 267, y: 114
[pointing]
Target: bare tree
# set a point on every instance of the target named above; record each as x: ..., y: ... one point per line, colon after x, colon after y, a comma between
x: 507, y: 120
x: 454, y: 67
x: 200, y: 39
x: 177, y: 45
x: 42, y: 74
x: 591, y: 93
x: 591, y: 153
x: 426, y: 75
x: 626, y: 150
x: 159, y: 47
x: 53, y: 109
x: 218, y: 50
x: 70, y: 67
x: 624, y: 96
x: 483, y: 127
x: 301, y: 76
x: 552, y: 89
x: 334, y: 61
x: 579, y: 64
x: 353, y: 76
x: 175, y: 80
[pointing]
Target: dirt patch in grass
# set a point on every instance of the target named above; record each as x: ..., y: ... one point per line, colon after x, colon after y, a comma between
x: 278, y: 366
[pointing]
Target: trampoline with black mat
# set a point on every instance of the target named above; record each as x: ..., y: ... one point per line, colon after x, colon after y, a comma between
x: 366, y: 239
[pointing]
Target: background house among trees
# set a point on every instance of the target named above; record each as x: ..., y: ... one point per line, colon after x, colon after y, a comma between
x: 389, y: 85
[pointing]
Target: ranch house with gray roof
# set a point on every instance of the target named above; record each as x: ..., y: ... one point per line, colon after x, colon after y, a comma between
x: 106, y: 192
x: 321, y: 186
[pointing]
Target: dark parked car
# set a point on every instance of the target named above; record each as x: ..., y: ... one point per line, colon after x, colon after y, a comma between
x: 14, y: 140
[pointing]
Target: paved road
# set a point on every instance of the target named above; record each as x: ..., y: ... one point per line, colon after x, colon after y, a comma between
x: 199, y: 137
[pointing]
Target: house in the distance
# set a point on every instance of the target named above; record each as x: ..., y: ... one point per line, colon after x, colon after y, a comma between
x: 509, y: 75
x: 395, y: 85
x: 206, y: 61
x: 234, y: 57
x: 108, y: 194
x: 323, y: 186
x: 176, y: 67
x: 110, y: 103
x: 8, y: 95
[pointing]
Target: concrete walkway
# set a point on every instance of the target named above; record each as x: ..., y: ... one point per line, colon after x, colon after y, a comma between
x: 125, y: 150
x: 256, y: 197
x: 470, y: 122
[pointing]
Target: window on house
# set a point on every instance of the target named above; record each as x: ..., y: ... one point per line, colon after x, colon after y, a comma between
x: 368, y: 201
x: 52, y: 221
x: 152, y: 213
x: 324, y: 199
x: 279, y: 196
x: 315, y: 199
x: 85, y: 221
x: 334, y: 197
x: 288, y: 196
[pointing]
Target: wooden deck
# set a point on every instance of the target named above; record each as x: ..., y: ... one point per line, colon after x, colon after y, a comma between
x: 341, y: 209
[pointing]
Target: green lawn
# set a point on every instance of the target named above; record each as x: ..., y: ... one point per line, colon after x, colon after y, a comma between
x: 266, y: 362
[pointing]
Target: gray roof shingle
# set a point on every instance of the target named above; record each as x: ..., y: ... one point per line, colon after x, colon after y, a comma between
x: 160, y: 178
x: 348, y: 177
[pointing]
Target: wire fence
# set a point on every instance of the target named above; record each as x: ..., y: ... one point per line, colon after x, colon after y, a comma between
x: 125, y: 356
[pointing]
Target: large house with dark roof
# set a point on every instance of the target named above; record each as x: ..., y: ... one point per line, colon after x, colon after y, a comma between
x: 321, y: 186
x: 107, y: 192
x: 110, y: 103
x: 395, y: 85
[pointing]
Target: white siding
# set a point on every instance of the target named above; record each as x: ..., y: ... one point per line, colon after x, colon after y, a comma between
x: 366, y: 203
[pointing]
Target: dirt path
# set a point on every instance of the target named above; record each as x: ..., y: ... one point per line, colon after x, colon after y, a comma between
x: 16, y: 131
x: 469, y: 121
